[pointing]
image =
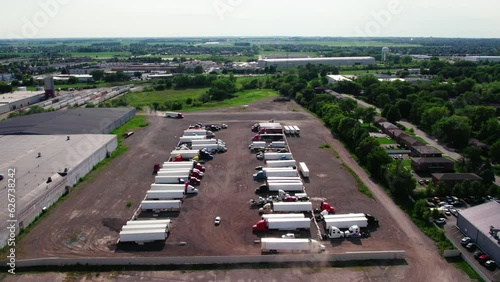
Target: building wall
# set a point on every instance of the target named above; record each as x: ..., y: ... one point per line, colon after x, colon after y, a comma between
x: 26, y: 102
x: 58, y: 187
x: 330, y: 62
x: 482, y: 240
x: 4, y: 108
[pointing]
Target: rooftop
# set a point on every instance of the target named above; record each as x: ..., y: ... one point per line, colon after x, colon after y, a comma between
x: 431, y: 160
x: 337, y: 77
x: 18, y: 95
x: 318, y: 59
x: 57, y: 153
x: 456, y: 176
x: 426, y: 150
x: 74, y: 121
x: 483, y: 216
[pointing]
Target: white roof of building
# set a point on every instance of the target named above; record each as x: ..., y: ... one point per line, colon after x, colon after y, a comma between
x: 20, y: 152
x: 483, y: 216
x: 318, y: 59
x: 18, y: 95
x: 337, y: 77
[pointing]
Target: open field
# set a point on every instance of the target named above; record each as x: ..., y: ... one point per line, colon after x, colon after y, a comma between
x: 385, y: 140
x: 142, y: 99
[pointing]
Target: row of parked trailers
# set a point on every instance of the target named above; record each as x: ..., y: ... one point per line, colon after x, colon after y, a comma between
x: 89, y: 97
x: 291, y: 130
x: 172, y: 183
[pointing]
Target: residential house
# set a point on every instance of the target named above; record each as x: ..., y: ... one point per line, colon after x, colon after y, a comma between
x: 425, y: 152
x: 451, y: 179
x: 432, y: 164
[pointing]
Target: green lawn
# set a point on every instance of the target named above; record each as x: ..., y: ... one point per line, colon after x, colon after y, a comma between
x: 142, y: 99
x: 385, y: 140
x: 420, y: 138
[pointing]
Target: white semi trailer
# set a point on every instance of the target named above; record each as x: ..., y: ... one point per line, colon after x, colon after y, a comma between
x: 186, y: 154
x: 165, y: 195
x: 283, y: 215
x: 149, y: 222
x: 304, y: 169
x: 281, y: 163
x: 345, y: 223
x: 282, y: 224
x: 188, y: 189
x: 168, y: 205
x: 276, y: 186
x: 275, y: 245
x: 142, y: 236
x: 278, y: 156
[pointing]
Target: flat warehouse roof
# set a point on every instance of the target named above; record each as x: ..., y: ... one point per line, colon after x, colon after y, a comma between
x: 57, y: 153
x: 73, y: 121
x: 318, y: 59
x: 18, y: 95
x: 483, y: 216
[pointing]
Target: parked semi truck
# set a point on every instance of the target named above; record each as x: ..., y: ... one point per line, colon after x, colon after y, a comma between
x: 296, y: 129
x: 166, y: 222
x: 188, y: 189
x: 188, y: 164
x: 268, y: 137
x: 372, y: 221
x: 353, y: 232
x: 186, y: 172
x: 176, y: 179
x: 344, y: 223
x: 284, y: 179
x: 283, y: 215
x: 277, y: 144
x: 169, y: 205
x: 263, y: 174
x: 208, y: 141
x: 174, y: 115
x: 165, y: 194
x: 276, y: 186
x: 191, y: 138
x: 275, y: 245
x: 278, y: 156
x: 142, y: 236
x: 162, y: 227
x: 304, y: 170
x: 281, y: 163
x: 257, y: 144
x: 286, y: 207
x: 269, y: 127
x: 282, y: 224
x: 189, y: 154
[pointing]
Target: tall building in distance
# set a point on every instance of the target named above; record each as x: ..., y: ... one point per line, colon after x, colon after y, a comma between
x: 385, y: 53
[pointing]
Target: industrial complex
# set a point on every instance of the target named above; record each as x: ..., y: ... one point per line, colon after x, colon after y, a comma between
x: 332, y: 61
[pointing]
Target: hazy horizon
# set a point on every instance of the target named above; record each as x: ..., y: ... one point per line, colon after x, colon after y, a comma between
x: 71, y: 19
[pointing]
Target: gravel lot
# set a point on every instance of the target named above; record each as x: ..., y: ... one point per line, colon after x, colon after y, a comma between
x: 87, y: 223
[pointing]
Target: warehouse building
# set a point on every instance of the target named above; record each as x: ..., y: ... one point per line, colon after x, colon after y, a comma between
x: 482, y: 58
x: 482, y: 224
x: 335, y: 78
x: 19, y: 99
x: 330, y: 61
x: 50, y: 153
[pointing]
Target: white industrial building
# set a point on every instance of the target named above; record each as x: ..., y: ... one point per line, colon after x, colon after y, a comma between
x: 482, y: 224
x: 482, y: 58
x: 50, y: 153
x: 19, y: 99
x: 331, y: 61
x: 80, y: 77
x: 334, y: 78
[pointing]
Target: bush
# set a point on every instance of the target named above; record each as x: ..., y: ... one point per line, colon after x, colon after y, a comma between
x: 189, y: 101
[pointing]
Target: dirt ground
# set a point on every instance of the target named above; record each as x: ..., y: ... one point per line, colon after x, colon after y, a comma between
x: 87, y: 223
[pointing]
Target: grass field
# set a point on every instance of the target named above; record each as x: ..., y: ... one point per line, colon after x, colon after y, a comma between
x: 385, y: 140
x: 143, y: 99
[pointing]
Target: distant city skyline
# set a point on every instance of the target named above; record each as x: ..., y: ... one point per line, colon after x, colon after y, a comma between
x: 248, y: 18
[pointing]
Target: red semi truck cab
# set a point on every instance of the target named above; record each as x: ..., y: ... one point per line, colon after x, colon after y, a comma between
x: 256, y: 138
x: 326, y: 206
x: 260, y: 226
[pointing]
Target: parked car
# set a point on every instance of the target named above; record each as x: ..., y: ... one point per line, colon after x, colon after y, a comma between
x: 470, y: 247
x: 447, y: 213
x: 490, y: 264
x: 477, y: 254
x: 217, y: 220
x: 483, y: 258
x: 440, y: 221
x: 465, y: 241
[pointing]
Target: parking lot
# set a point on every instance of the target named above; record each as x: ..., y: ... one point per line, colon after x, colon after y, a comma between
x: 87, y: 223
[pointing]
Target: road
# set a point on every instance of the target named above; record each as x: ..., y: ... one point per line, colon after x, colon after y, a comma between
x: 429, y: 139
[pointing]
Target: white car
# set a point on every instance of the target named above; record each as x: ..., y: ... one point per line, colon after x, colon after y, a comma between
x: 217, y: 220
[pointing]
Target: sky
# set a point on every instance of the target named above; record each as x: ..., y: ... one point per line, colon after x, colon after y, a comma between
x: 209, y: 18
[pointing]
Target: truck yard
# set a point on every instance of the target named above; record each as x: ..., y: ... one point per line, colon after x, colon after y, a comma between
x: 88, y: 222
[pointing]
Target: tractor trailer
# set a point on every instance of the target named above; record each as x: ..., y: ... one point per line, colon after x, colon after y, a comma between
x: 371, y: 219
x: 281, y: 163
x: 263, y: 174
x: 283, y: 215
x: 166, y: 222
x: 209, y: 147
x: 188, y: 189
x: 284, y: 179
x: 275, y: 245
x: 278, y: 156
x: 304, y: 169
x: 344, y: 223
x: 165, y: 195
x: 189, y: 139
x: 286, y: 207
x: 282, y: 224
x: 142, y: 236
x: 169, y: 205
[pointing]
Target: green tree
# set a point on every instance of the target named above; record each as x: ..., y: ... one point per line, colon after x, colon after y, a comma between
x: 393, y: 114
x: 198, y: 69
x: 5, y: 88
x: 73, y: 80
x: 404, y: 107
x: 495, y: 152
x: 376, y: 160
x: 433, y: 115
x: 97, y: 74
x: 221, y: 89
x: 138, y: 74
x: 455, y: 130
x: 400, y: 180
